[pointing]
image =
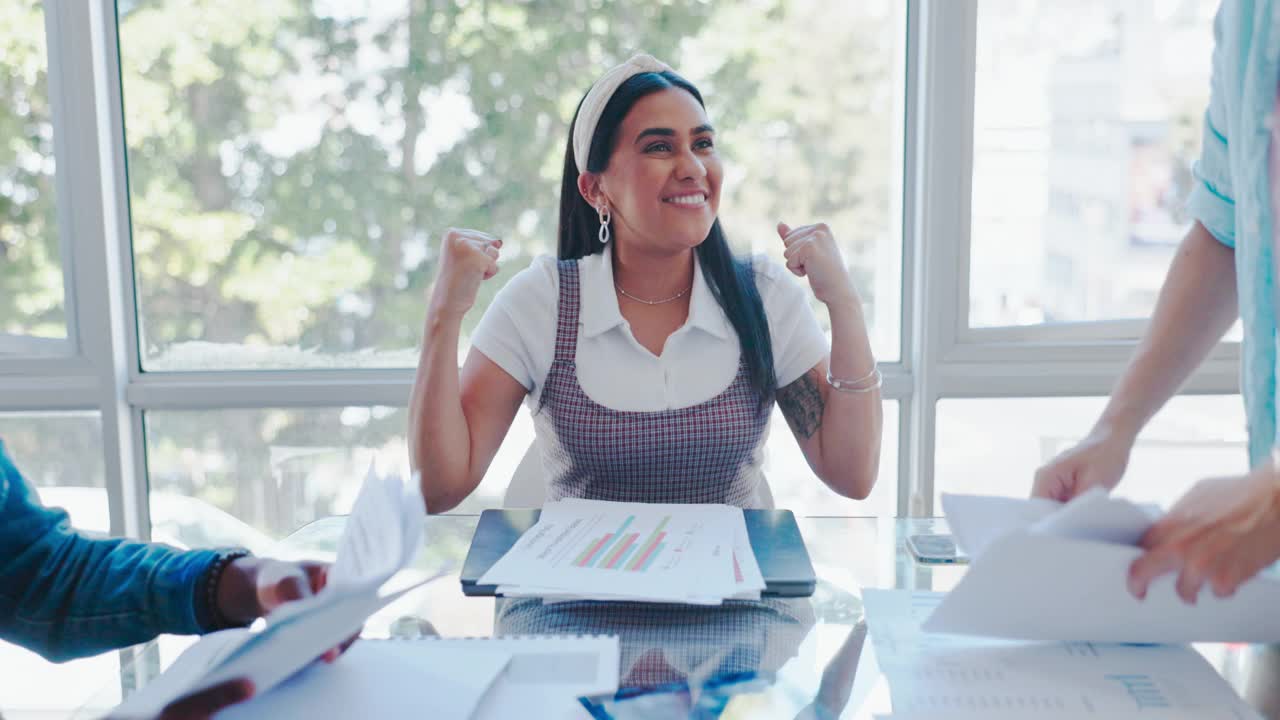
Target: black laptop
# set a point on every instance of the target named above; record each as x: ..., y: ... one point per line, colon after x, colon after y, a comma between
x: 775, y: 538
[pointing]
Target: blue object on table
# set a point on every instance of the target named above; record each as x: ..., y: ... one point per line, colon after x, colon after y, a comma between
x: 672, y: 700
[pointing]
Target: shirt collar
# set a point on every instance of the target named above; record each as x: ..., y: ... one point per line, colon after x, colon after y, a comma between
x: 598, y: 305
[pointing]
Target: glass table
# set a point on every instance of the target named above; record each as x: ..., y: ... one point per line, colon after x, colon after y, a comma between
x: 799, y: 658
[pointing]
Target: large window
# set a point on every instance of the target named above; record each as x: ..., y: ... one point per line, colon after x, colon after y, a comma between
x: 994, y: 446
x: 1087, y: 116
x: 249, y: 477
x: 292, y: 164
x: 60, y: 454
x: 32, y: 291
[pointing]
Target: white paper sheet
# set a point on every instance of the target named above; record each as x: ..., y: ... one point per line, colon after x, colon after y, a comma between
x: 1095, y: 515
x: 547, y: 674
x: 947, y: 676
x: 383, y: 532
x: 384, y: 679
x: 296, y: 633
x: 977, y: 520
x: 1062, y: 576
x: 530, y: 677
x: 589, y: 549
x: 748, y: 582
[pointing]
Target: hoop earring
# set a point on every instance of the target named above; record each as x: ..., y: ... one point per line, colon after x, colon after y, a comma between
x: 605, y: 216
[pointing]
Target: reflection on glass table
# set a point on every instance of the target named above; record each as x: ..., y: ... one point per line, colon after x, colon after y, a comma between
x: 769, y: 659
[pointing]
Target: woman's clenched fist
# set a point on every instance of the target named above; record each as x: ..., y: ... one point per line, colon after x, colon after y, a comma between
x: 811, y: 252
x: 467, y: 258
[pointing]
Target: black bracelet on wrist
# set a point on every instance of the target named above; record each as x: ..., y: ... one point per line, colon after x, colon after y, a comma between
x: 208, y: 589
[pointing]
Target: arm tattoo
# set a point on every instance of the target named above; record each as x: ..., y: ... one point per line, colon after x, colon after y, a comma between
x: 802, y: 405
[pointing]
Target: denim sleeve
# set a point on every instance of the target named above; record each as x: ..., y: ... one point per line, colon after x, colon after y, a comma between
x: 1212, y: 199
x: 65, y: 595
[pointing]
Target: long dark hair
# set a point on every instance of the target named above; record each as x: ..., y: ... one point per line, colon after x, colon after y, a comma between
x: 732, y: 280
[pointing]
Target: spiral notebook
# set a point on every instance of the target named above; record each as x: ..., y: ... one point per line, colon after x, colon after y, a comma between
x: 530, y: 676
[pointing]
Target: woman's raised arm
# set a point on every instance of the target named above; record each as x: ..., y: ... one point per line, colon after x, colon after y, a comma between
x: 457, y: 421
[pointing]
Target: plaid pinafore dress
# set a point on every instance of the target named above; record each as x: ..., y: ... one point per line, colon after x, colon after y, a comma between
x: 699, y: 454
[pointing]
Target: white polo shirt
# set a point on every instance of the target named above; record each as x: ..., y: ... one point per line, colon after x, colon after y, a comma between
x: 698, y: 362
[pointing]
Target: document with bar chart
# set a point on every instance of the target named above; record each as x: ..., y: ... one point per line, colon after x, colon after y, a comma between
x: 632, y: 551
x: 936, y: 675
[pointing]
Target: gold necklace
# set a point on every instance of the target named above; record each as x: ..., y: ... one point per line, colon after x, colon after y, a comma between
x: 677, y: 296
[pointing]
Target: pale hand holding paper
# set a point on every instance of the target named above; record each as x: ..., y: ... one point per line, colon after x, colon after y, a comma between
x: 382, y: 535
x: 1045, y: 571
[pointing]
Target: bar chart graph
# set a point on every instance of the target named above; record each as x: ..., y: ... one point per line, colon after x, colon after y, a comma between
x: 620, y: 550
x: 647, y: 552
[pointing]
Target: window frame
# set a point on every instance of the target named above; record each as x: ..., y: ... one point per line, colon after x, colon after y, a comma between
x: 941, y: 356
x: 950, y: 359
x: 17, y: 348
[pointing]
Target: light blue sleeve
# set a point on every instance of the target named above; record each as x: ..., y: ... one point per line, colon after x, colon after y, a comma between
x: 1212, y: 199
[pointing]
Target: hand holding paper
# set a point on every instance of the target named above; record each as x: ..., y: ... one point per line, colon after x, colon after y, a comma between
x: 1223, y: 532
x: 381, y: 537
x: 1098, y: 461
x: 1043, y: 571
x: 253, y: 587
x: 383, y: 532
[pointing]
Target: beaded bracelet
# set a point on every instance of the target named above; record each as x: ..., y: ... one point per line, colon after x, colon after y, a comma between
x: 212, y: 576
x: 857, y: 386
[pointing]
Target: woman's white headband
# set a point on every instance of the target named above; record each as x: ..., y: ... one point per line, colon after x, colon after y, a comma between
x: 598, y: 97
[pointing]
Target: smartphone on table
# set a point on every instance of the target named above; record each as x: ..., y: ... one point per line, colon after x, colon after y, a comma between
x: 935, y: 550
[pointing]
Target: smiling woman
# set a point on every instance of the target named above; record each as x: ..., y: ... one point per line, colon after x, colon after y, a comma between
x: 650, y: 356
